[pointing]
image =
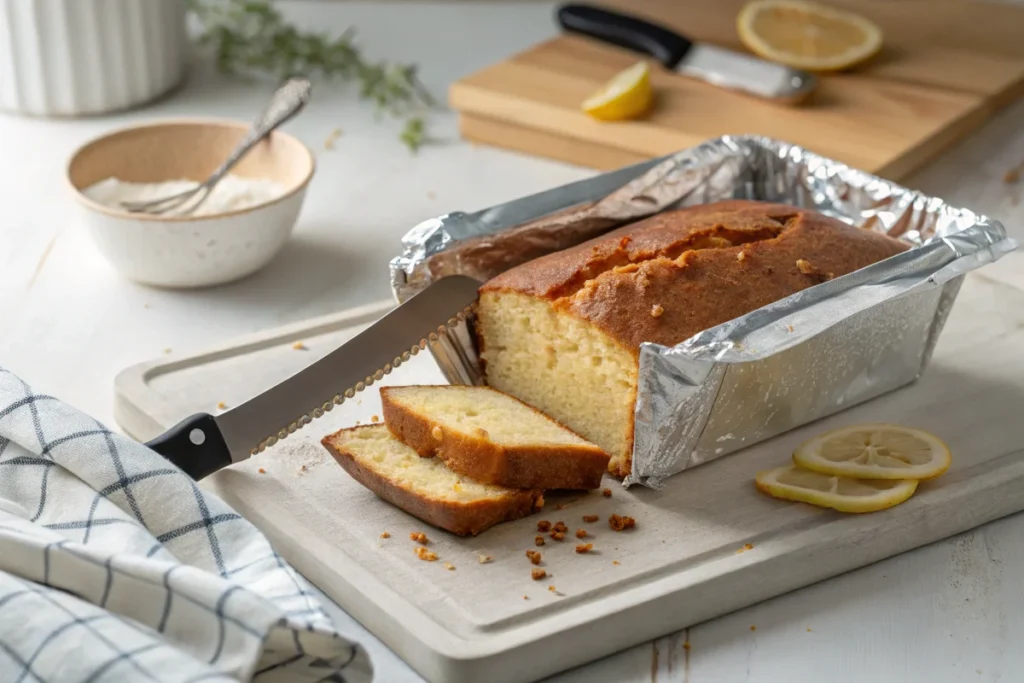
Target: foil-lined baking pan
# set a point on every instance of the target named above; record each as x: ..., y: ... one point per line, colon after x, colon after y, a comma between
x: 802, y: 358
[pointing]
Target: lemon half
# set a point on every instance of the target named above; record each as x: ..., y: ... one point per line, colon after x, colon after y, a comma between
x: 626, y: 96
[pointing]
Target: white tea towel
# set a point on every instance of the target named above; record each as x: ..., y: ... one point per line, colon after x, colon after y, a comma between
x: 115, y: 566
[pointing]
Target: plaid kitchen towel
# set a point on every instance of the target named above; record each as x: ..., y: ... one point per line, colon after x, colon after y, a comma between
x: 115, y: 566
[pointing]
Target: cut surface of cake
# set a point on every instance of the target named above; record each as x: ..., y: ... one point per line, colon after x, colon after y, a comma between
x: 425, y: 487
x: 563, y: 332
x: 492, y: 437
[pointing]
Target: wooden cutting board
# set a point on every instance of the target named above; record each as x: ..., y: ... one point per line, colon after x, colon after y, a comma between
x: 685, y: 562
x: 947, y: 66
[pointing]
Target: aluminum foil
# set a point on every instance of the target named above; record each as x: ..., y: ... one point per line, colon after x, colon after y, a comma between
x: 802, y: 358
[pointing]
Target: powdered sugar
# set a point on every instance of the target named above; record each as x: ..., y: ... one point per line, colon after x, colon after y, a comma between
x: 232, y: 193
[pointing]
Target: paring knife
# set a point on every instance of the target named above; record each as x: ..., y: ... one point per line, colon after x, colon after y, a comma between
x: 202, y: 444
x: 715, y: 65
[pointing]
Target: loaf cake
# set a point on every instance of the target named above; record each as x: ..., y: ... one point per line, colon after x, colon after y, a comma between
x: 563, y: 332
x: 491, y: 437
x: 425, y: 487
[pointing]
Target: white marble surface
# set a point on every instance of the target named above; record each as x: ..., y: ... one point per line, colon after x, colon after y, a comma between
x: 952, y: 611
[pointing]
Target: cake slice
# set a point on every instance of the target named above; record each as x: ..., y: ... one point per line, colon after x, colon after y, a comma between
x: 492, y: 437
x: 425, y: 487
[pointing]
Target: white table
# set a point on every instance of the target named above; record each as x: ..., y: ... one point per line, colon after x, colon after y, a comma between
x: 951, y: 611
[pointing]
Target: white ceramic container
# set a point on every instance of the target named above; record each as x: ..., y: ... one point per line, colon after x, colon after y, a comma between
x: 79, y: 57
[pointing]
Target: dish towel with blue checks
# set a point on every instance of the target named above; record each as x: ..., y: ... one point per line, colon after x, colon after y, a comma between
x: 116, y: 566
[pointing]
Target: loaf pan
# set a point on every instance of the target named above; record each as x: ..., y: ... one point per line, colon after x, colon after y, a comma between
x: 802, y: 358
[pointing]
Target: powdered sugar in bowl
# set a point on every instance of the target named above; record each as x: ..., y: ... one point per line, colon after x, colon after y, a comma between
x: 240, y: 227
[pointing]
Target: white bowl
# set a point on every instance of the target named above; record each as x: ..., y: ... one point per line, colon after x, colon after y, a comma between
x: 79, y: 57
x: 190, y: 251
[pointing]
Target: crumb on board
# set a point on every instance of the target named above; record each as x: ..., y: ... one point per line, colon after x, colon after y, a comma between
x: 590, y: 519
x: 526, y: 597
x: 618, y: 523
x: 425, y: 554
x: 534, y: 556
x: 686, y: 645
x: 745, y: 548
x: 537, y: 574
x: 221, y: 405
x: 538, y: 540
x: 332, y: 138
x: 374, y: 418
x: 615, y: 562
x: 753, y: 628
x: 431, y: 194
x: 449, y: 566
x: 419, y: 537
x: 299, y: 346
x: 437, y: 433
x: 543, y: 525
x: 558, y: 535
x: 385, y: 535
x: 809, y: 629
x: 484, y: 559
x: 789, y: 328
x: 584, y: 548
x: 657, y: 310
x: 581, y: 533
x: 607, y: 493
x: 261, y: 471
x: 1013, y: 175
x: 302, y: 468
x: 560, y: 526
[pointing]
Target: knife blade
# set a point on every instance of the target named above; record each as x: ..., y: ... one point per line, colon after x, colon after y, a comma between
x: 709, y: 63
x: 204, y: 443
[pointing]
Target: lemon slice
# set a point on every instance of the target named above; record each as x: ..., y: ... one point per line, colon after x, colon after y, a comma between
x: 875, y: 451
x: 626, y: 96
x: 806, y: 35
x: 839, y: 493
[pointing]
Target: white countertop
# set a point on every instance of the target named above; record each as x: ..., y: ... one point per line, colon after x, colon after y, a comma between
x: 951, y: 611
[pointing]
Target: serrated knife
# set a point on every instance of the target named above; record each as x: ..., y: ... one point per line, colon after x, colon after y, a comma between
x: 203, y: 443
x: 710, y: 63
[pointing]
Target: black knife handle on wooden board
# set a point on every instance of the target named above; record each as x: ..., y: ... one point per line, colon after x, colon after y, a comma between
x: 666, y: 46
x: 195, y: 445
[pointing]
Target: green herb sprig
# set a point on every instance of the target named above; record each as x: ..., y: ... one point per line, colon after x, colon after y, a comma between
x: 252, y: 37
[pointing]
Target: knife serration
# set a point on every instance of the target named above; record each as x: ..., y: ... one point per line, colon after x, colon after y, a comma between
x: 272, y: 415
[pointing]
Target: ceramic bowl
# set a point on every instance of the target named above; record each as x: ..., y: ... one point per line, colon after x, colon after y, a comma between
x: 190, y: 251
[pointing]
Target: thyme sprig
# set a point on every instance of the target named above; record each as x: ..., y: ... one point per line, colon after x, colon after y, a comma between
x: 251, y: 37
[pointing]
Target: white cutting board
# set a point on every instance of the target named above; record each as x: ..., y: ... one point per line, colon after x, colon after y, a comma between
x: 679, y: 566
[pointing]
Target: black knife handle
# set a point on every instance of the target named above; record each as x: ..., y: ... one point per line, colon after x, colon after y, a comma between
x: 195, y: 445
x: 630, y: 32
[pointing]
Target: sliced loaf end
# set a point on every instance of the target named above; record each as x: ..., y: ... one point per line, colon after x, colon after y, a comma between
x: 425, y: 487
x: 492, y: 437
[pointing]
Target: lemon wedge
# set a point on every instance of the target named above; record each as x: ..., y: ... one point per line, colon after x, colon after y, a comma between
x: 807, y: 35
x: 839, y: 493
x: 875, y: 451
x: 626, y: 96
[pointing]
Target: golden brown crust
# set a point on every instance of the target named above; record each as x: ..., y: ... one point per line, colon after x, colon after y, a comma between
x: 462, y: 519
x: 696, y: 267
x: 688, y: 263
x: 477, y: 457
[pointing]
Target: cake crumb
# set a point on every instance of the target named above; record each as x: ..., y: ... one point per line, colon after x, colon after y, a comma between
x: 261, y: 471
x: 433, y: 195
x: 385, y: 535
x: 449, y: 566
x: 584, y: 548
x: 657, y: 310
x: 590, y: 519
x: 742, y: 256
x: 553, y: 589
x: 686, y: 645
x: 538, y: 574
x: 745, y: 548
x: 299, y: 346
x: 1012, y: 176
x: 484, y: 559
x: 559, y: 507
x: 607, y: 493
x: 558, y: 535
x: 538, y: 540
x: 581, y: 533
x: 425, y: 554
x: 618, y: 523
x: 221, y: 405
x: 375, y: 418
x: 167, y: 350
x: 534, y: 556
x: 526, y: 597
x: 437, y: 433
x: 560, y: 526
x: 302, y: 468
x: 753, y: 628
x: 419, y: 537
x: 332, y: 138
x: 615, y: 562
x: 543, y: 525
x: 809, y: 630
x: 789, y: 328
